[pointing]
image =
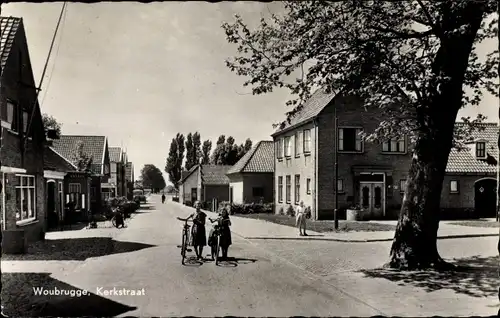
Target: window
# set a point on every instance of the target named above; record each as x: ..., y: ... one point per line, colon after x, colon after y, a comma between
x: 279, y: 150
x: 307, y: 141
x: 280, y: 189
x: 297, y: 143
x: 75, y: 190
x: 25, y: 121
x: 288, y: 189
x: 288, y: 147
x: 340, y: 185
x: 350, y: 139
x: 308, y: 186
x: 10, y: 115
x: 394, y: 145
x: 402, y: 185
x: 26, y: 199
x: 481, y: 150
x: 258, y: 192
x: 297, y: 189
x: 453, y: 186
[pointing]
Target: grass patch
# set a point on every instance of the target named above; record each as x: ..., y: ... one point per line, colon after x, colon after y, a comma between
x: 322, y: 226
x: 477, y: 223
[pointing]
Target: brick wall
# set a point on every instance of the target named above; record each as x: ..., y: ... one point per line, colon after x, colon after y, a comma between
x: 262, y: 180
x: 219, y: 192
x: 302, y: 165
x: 350, y: 113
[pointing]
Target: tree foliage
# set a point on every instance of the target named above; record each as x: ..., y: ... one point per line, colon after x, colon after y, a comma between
x: 50, y: 123
x: 82, y: 159
x: 189, y: 152
x: 206, y: 149
x: 227, y: 152
x: 196, y: 148
x: 410, y: 60
x: 152, y: 177
x: 174, y: 160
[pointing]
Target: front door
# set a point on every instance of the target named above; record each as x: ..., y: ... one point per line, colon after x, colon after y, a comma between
x: 372, y: 198
x: 485, y: 198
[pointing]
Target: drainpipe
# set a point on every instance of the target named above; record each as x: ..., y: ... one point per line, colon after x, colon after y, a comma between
x: 315, y: 192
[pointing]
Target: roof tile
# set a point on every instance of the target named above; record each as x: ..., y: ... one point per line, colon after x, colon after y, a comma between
x: 54, y: 161
x: 8, y: 28
x: 259, y: 159
x: 114, y: 154
x: 214, y: 174
x: 92, y: 145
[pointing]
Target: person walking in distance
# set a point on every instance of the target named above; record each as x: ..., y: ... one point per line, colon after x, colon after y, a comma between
x: 163, y: 198
x: 300, y: 219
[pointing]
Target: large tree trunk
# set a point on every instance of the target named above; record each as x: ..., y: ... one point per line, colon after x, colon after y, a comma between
x: 415, y: 240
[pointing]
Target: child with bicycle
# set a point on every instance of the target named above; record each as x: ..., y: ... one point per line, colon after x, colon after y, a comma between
x: 198, y: 232
x: 223, y: 223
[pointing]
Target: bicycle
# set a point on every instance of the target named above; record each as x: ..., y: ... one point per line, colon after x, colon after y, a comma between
x: 185, y: 239
x: 215, y: 246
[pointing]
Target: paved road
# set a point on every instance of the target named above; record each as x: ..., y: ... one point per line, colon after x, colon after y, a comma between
x: 257, y: 284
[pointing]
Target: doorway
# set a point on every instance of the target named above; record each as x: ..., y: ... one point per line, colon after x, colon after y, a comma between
x: 485, y: 198
x: 372, y: 198
x: 53, y: 218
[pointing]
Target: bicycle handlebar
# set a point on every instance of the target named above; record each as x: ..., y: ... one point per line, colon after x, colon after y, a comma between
x: 181, y: 219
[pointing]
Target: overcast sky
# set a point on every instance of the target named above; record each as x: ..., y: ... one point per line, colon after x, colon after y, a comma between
x: 140, y: 73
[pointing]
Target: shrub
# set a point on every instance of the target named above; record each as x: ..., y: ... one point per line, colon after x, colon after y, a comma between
x: 290, y: 211
x: 281, y: 211
x: 175, y: 199
x: 268, y: 207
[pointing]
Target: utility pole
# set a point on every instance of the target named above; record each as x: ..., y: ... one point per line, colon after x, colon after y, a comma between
x: 336, y: 161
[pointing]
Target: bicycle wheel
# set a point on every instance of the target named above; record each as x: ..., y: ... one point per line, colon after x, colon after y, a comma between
x: 183, y: 247
x: 113, y: 221
x: 217, y: 248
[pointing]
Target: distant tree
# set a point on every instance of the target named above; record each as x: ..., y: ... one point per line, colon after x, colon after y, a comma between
x: 219, y: 150
x: 205, y: 152
x: 170, y: 189
x: 197, y: 154
x: 50, y: 123
x: 82, y: 160
x: 152, y: 178
x: 174, y: 160
x: 189, y: 152
x: 248, y: 145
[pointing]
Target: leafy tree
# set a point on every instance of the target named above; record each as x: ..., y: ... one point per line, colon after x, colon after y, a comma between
x: 152, y: 178
x: 189, y: 152
x: 219, y: 150
x: 175, y: 157
x: 82, y: 160
x: 196, y: 148
x: 205, y: 150
x: 409, y: 60
x: 50, y: 123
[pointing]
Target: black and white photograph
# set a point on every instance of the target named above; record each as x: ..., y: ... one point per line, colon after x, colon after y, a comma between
x: 250, y: 158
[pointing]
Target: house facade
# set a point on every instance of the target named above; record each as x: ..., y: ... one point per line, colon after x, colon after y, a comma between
x: 22, y: 139
x: 204, y: 183
x: 370, y: 174
x: 129, y: 179
x: 117, y: 175
x: 251, y: 178
x: 95, y: 147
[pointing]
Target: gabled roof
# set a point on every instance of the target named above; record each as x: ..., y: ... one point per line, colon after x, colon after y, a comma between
x: 312, y: 107
x: 214, y: 174
x: 464, y: 161
x: 55, y: 162
x: 8, y: 28
x: 94, y: 146
x: 115, y: 154
x: 187, y: 173
x: 259, y: 159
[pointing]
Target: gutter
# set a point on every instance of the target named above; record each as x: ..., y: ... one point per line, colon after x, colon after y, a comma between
x: 302, y: 123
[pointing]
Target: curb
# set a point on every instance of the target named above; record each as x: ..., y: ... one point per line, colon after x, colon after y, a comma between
x: 356, y: 240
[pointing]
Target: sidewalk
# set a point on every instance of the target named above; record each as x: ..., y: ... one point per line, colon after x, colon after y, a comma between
x: 262, y: 230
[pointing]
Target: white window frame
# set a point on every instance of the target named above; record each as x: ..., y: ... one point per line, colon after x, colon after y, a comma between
x: 298, y: 139
x: 78, y: 186
x: 22, y: 186
x: 340, y: 185
x: 306, y: 141
x: 280, y: 189
x: 359, y: 144
x: 288, y: 146
x: 288, y: 189
x: 25, y: 121
x: 454, y: 189
x: 308, y: 185
x: 483, y: 144
x: 279, y: 150
x: 297, y: 188
x: 395, y: 146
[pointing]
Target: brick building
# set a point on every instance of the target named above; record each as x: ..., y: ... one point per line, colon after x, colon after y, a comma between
x: 129, y: 178
x: 22, y: 139
x: 117, y: 181
x: 371, y: 174
x: 204, y: 183
x: 251, y: 178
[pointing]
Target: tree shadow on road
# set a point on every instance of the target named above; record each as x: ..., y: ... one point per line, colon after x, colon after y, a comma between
x: 474, y: 276
x: 20, y: 300
x: 76, y: 249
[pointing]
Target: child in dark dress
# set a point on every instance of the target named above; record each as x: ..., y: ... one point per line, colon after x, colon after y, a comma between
x: 224, y: 223
x: 199, y: 236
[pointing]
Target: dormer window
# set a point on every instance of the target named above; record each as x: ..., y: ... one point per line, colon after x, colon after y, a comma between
x: 481, y: 150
